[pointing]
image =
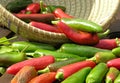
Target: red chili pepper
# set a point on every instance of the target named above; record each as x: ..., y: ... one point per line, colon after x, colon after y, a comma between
x: 78, y: 36
x: 44, y: 78
x: 47, y: 18
x: 107, y: 44
x: 68, y: 70
x: 59, y: 13
x: 33, y: 8
x: 44, y: 26
x: 38, y: 63
x: 114, y: 63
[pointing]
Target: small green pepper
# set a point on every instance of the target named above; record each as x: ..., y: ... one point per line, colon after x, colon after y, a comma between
x: 79, y: 76
x: 111, y: 75
x: 80, y: 24
x: 31, y: 46
x: 9, y: 58
x: 103, y: 57
x: 97, y: 74
x: 116, y: 51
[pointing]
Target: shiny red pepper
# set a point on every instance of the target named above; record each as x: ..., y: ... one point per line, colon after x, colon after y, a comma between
x: 33, y: 8
x: 107, y: 43
x: 79, y: 37
x: 59, y: 13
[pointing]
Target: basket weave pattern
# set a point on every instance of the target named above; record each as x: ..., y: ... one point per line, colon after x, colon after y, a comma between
x: 101, y: 12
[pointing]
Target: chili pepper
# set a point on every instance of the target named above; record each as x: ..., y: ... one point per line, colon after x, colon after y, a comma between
x: 97, y: 74
x: 66, y: 71
x: 114, y: 63
x: 33, y: 8
x: 58, y: 56
x: 59, y: 13
x: 107, y: 44
x: 117, y: 80
x: 79, y: 37
x: 46, y: 18
x: 111, y: 75
x: 32, y: 46
x: 81, y: 50
x: 9, y: 58
x: 102, y: 57
x: 15, y: 6
x: 24, y: 75
x: 79, y: 76
x: 44, y: 26
x: 55, y: 66
x: 80, y: 24
x: 116, y: 51
x: 44, y: 78
x: 38, y: 63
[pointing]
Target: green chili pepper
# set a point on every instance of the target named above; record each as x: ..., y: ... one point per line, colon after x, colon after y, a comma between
x: 57, y: 55
x: 111, y: 75
x: 103, y: 57
x: 97, y: 74
x: 116, y: 51
x: 81, y: 50
x: 31, y: 46
x: 79, y: 76
x: 9, y: 58
x: 80, y: 24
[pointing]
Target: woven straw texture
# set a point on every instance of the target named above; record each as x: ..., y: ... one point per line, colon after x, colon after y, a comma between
x: 101, y: 12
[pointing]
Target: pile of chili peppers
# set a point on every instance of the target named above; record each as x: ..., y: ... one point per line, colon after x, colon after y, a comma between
x: 54, y: 19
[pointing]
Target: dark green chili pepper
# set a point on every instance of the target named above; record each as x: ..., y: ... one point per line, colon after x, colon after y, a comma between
x: 9, y: 58
x: 80, y: 24
x: 79, y: 76
x: 17, y: 5
x: 103, y: 57
x: 111, y: 75
x: 97, y: 74
x: 31, y: 46
x: 81, y: 50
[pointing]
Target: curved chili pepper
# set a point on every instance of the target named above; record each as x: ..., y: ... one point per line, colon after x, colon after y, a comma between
x: 33, y: 8
x: 78, y: 37
x: 59, y: 13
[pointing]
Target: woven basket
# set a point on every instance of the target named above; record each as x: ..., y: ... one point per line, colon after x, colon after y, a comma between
x: 101, y: 12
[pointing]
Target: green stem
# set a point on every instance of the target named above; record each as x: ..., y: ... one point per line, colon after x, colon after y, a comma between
x: 8, y: 39
x: 104, y: 34
x: 44, y: 70
x: 117, y: 41
x: 59, y: 76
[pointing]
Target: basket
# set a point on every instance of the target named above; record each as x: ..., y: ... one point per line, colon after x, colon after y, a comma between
x: 101, y: 12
